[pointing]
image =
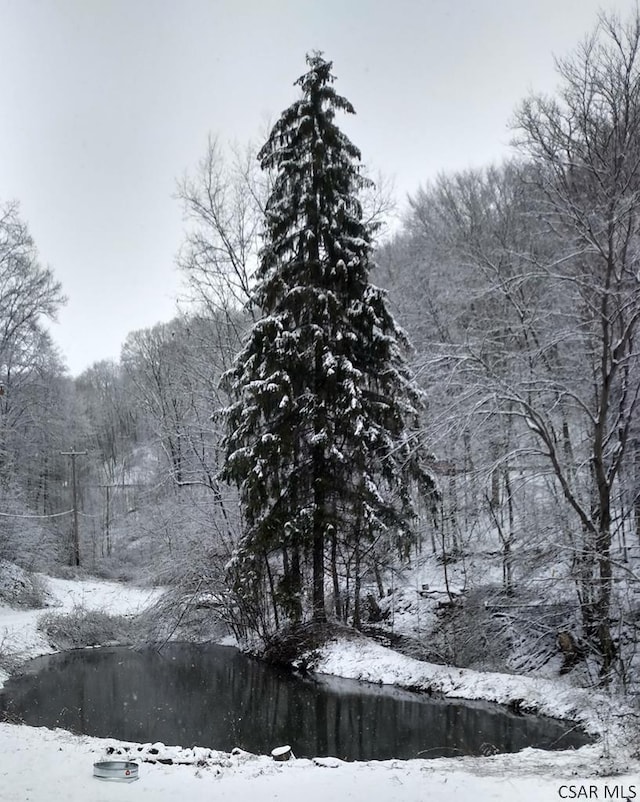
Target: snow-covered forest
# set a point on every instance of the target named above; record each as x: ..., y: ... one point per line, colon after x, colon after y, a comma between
x: 423, y: 427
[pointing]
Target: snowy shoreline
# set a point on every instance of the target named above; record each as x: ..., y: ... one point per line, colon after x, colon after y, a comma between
x: 366, y: 660
x: 65, y: 760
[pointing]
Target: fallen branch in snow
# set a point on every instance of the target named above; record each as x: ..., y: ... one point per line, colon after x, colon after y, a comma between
x: 170, y: 755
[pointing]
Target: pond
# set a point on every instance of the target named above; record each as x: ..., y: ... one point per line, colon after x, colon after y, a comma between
x: 217, y: 697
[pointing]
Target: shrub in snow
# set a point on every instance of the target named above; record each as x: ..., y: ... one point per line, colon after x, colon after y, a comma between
x: 82, y: 627
x: 19, y: 588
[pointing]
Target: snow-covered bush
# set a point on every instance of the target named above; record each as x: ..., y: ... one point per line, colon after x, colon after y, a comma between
x: 82, y: 627
x: 7, y: 660
x: 19, y: 588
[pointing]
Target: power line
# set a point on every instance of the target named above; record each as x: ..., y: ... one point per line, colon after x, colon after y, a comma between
x: 51, y: 515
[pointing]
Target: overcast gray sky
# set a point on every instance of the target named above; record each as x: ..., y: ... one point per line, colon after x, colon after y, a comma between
x: 105, y: 103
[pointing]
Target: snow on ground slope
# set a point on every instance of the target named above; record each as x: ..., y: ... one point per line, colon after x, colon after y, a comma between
x: 113, y: 597
x: 19, y: 636
x: 37, y: 765
x: 363, y: 659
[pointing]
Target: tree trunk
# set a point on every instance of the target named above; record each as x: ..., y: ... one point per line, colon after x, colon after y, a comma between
x: 272, y: 591
x: 334, y: 574
x: 357, y: 622
x: 603, y: 604
x: 319, y: 522
x: 378, y: 577
x: 635, y: 449
x: 507, y: 555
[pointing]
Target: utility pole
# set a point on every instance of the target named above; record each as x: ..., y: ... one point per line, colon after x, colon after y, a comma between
x: 107, y: 529
x: 76, y: 537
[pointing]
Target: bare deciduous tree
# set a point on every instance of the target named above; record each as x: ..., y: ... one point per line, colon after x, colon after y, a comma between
x: 586, y: 148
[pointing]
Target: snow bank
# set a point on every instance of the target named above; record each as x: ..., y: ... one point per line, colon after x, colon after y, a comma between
x: 363, y: 659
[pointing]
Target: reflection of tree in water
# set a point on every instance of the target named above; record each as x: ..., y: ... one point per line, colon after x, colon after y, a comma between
x: 214, y: 696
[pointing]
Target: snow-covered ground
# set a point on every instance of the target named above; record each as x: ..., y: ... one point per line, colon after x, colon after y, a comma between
x: 37, y: 764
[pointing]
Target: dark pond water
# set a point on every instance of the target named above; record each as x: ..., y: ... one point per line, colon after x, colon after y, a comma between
x: 215, y: 696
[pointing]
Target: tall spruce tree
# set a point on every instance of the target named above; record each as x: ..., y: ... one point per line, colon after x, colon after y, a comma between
x: 322, y: 435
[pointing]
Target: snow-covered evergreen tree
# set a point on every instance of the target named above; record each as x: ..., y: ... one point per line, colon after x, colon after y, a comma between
x: 322, y: 436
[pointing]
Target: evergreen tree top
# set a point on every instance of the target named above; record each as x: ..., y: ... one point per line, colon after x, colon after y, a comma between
x: 313, y: 215
x: 318, y: 99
